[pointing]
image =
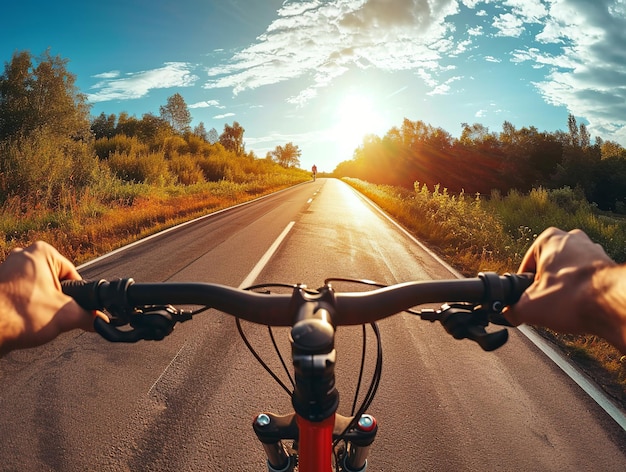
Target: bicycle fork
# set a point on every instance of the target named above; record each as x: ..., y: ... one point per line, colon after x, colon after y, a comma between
x: 317, y: 437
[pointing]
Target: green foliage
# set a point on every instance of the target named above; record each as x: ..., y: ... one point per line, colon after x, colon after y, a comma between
x: 173, y: 145
x: 483, y: 161
x: 186, y: 169
x: 41, y: 95
x: 477, y: 233
x: 39, y: 168
x: 287, y: 156
x: 119, y: 143
x: 150, y: 168
x: 232, y: 138
x: 176, y: 113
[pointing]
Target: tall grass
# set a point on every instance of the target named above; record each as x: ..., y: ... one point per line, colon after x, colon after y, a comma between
x: 113, y: 212
x: 474, y: 234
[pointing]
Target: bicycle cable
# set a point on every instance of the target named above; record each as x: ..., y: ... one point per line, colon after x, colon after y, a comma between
x: 376, y: 375
x: 253, y: 351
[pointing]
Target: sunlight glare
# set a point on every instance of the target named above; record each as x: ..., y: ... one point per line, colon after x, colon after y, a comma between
x: 356, y: 116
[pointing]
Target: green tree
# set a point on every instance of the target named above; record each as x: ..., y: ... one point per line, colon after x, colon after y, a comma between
x: 41, y: 95
x: 574, y: 137
x: 232, y: 138
x: 176, y: 113
x: 585, y: 138
x: 103, y: 126
x: 151, y: 127
x: 287, y: 156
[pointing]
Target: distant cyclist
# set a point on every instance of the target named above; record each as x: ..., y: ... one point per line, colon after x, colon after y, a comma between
x: 314, y: 171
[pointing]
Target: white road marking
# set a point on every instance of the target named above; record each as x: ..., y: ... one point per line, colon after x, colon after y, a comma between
x: 583, y: 382
x: 249, y: 280
x: 566, y: 366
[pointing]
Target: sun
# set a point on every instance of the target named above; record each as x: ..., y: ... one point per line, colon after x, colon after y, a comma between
x: 356, y: 116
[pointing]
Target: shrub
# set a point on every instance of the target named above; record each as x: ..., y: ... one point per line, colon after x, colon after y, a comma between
x: 43, y: 166
x: 150, y: 168
x: 185, y: 169
x: 119, y: 143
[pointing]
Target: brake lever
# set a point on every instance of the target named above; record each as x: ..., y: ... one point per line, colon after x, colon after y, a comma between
x: 466, y: 321
x: 152, y: 325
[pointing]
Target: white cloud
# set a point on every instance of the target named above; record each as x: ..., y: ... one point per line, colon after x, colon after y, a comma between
x: 529, y: 11
x: 321, y: 41
x: 508, y: 24
x: 477, y: 31
x: 207, y: 104
x: 225, y: 115
x: 444, y: 88
x: 492, y: 59
x: 587, y: 63
x: 139, y: 84
x: 108, y: 75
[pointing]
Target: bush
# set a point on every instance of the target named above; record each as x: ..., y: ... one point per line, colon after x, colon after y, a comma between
x: 119, y: 143
x: 186, y: 170
x: 40, y: 168
x: 150, y: 168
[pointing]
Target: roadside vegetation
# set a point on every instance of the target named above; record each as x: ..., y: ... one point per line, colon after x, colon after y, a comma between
x: 90, y: 184
x: 475, y: 233
x: 481, y: 199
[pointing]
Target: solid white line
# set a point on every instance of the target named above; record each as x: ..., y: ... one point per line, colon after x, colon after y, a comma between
x: 172, y: 228
x: 249, y: 280
x: 583, y: 382
x: 566, y: 366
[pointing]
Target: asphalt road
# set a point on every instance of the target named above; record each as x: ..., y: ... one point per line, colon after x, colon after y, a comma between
x: 186, y: 403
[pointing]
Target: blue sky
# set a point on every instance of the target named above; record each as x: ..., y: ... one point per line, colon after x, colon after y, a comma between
x: 321, y: 74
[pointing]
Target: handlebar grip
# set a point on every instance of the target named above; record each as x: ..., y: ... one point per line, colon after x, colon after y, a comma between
x: 519, y: 283
x: 85, y: 292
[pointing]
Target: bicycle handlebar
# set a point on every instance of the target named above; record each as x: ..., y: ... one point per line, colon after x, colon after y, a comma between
x: 137, y: 303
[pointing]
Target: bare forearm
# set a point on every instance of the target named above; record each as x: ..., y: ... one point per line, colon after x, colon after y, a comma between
x: 609, y: 309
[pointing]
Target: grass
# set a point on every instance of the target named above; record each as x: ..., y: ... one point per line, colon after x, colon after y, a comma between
x: 83, y: 228
x: 470, y: 232
x: 475, y: 234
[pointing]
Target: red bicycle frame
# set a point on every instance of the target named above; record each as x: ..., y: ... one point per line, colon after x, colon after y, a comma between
x: 316, y: 441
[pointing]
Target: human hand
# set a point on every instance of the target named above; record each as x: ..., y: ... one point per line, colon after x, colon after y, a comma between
x: 33, y: 309
x: 578, y: 288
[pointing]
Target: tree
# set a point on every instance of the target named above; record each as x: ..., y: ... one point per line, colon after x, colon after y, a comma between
x: 611, y: 149
x: 212, y: 136
x: 176, y: 113
x: 126, y: 124
x: 288, y: 156
x: 232, y: 138
x: 200, y: 131
x: 574, y: 138
x: 585, y: 138
x: 103, y: 126
x: 41, y: 96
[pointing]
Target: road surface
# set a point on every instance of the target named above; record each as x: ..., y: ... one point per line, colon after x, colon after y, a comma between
x: 186, y: 403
